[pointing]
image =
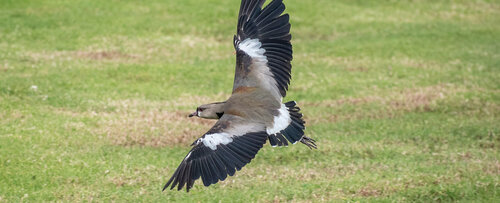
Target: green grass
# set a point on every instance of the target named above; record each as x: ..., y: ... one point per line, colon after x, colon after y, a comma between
x: 403, y: 98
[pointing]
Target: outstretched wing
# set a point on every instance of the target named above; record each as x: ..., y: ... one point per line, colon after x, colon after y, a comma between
x: 228, y: 146
x: 263, y: 47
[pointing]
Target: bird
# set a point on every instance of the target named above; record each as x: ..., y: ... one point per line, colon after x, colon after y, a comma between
x: 254, y: 113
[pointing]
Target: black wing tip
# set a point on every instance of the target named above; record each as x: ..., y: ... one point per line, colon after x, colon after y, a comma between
x: 263, y: 23
x: 178, y: 189
x: 172, y: 186
x: 180, y: 186
x: 216, y: 165
x: 170, y: 181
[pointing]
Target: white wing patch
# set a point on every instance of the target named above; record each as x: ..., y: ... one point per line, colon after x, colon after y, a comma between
x: 212, y: 140
x: 252, y: 47
x: 281, y: 121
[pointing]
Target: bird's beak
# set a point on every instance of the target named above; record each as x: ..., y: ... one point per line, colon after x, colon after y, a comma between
x: 194, y: 114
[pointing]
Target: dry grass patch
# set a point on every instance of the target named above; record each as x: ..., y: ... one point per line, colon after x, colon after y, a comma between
x: 369, y: 192
x: 415, y: 63
x: 92, y: 55
x: 135, y: 176
x: 339, y: 172
x: 410, y: 100
x: 472, y: 11
x: 154, y: 128
x: 103, y: 55
x: 366, y: 64
x: 420, y: 99
x: 167, y: 48
x: 185, y: 100
x: 271, y: 172
x: 136, y: 122
x: 5, y: 67
x: 492, y: 168
x: 348, y: 63
x: 16, y: 116
x: 469, y: 11
x: 155, y: 123
x: 154, y: 49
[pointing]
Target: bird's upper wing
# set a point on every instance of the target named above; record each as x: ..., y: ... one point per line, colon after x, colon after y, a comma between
x: 263, y: 48
x: 231, y: 143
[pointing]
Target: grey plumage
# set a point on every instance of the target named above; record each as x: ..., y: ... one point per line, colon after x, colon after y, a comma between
x: 254, y: 112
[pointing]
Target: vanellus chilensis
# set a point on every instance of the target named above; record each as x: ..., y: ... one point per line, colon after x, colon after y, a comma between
x: 254, y: 113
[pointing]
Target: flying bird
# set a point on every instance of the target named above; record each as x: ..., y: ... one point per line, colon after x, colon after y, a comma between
x: 254, y: 113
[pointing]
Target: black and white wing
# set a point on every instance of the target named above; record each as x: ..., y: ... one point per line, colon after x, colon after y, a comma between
x: 263, y: 47
x: 227, y: 147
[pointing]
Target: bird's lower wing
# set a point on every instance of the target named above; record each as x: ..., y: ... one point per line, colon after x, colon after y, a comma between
x: 227, y: 147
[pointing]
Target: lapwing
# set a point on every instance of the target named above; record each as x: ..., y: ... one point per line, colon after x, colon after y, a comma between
x: 254, y: 113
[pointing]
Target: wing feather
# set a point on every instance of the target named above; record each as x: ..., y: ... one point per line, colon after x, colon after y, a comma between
x: 263, y: 35
x: 222, y: 151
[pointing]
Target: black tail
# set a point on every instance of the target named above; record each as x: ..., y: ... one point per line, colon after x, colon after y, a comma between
x: 293, y: 132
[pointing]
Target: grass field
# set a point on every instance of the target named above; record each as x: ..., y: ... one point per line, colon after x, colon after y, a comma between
x: 403, y: 98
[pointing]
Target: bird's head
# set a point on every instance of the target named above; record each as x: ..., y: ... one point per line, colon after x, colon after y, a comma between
x: 210, y: 111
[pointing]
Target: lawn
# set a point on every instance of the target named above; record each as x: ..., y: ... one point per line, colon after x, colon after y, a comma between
x: 403, y: 98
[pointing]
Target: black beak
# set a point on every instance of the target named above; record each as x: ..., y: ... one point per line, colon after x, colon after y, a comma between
x: 194, y: 114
